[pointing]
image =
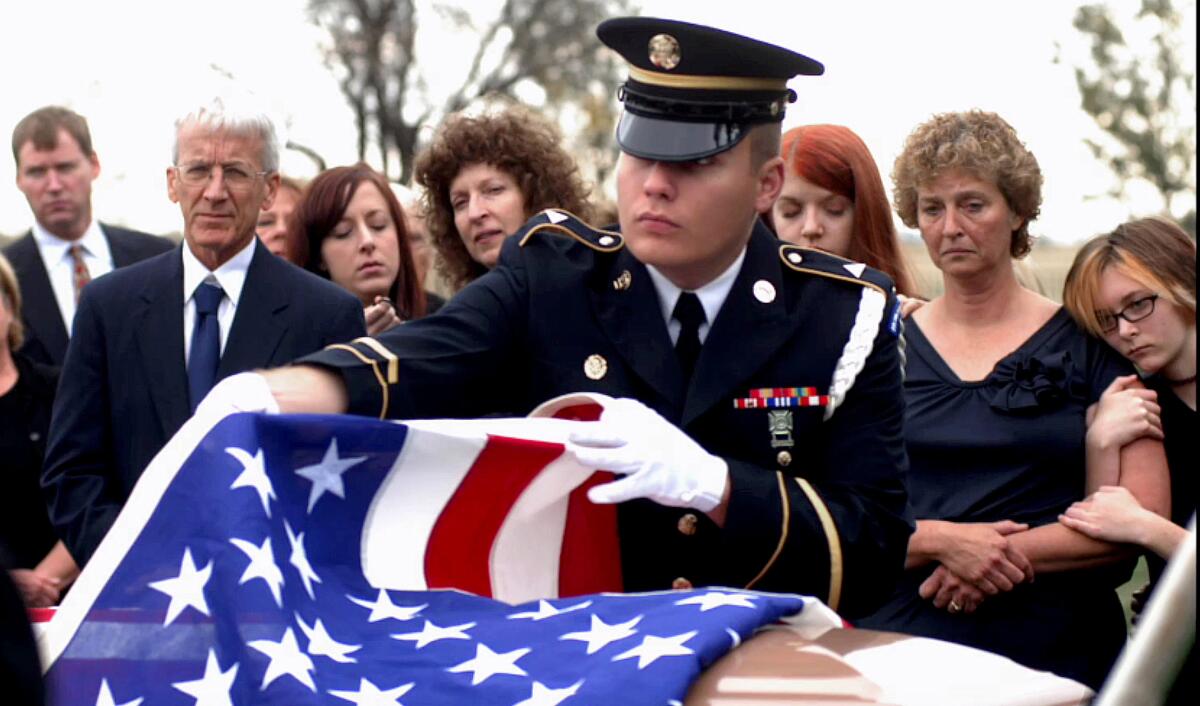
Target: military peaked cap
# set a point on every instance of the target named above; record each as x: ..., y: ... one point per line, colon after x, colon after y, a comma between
x: 694, y: 91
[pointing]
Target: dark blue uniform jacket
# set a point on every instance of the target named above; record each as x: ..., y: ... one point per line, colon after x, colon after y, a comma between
x: 818, y: 502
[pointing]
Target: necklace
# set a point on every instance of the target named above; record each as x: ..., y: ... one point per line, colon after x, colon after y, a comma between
x: 1184, y: 381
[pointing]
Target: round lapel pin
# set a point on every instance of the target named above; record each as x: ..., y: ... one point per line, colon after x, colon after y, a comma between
x: 764, y: 291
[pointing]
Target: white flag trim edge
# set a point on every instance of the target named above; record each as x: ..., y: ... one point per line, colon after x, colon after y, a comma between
x: 143, y: 500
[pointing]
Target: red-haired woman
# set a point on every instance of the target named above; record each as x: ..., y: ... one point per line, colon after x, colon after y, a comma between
x: 833, y: 199
x: 355, y: 231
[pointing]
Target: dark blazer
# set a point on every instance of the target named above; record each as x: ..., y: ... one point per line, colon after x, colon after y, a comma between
x: 818, y: 500
x: 123, y: 391
x: 45, y: 330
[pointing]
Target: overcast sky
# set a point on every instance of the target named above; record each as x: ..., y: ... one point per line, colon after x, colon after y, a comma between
x: 129, y: 66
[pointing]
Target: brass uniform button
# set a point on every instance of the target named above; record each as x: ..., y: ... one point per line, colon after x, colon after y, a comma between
x: 595, y: 367
x: 687, y: 524
x: 681, y: 584
x: 784, y: 458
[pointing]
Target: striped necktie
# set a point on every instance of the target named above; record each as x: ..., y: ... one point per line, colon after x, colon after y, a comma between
x: 79, y: 270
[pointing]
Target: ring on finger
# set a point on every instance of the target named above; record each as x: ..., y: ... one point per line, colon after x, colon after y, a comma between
x: 954, y: 607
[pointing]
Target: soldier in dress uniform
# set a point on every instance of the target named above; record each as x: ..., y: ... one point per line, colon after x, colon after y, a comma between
x: 758, y: 438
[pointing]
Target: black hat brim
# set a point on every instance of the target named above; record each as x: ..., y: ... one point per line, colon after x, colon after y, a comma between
x: 669, y: 141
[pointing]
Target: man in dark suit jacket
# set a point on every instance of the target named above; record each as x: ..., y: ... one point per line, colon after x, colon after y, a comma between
x: 135, y: 366
x: 55, y: 169
x: 45, y: 331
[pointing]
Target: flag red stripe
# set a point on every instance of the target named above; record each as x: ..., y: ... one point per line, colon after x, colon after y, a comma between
x: 460, y: 544
x: 591, y: 555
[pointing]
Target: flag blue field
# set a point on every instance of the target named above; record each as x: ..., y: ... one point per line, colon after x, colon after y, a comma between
x: 254, y: 565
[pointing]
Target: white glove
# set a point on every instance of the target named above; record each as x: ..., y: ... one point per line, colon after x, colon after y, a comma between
x: 244, y: 392
x: 658, y: 460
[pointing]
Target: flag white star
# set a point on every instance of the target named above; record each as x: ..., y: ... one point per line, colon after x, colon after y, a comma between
x: 654, y: 647
x: 286, y: 660
x: 212, y: 689
x: 253, y: 475
x: 186, y: 589
x: 383, y: 608
x: 299, y: 559
x: 326, y: 476
x: 601, y: 633
x: 432, y: 633
x: 262, y: 566
x: 370, y: 695
x: 320, y: 643
x: 545, y: 696
x: 487, y: 664
x: 546, y: 610
x: 105, y: 697
x: 716, y: 599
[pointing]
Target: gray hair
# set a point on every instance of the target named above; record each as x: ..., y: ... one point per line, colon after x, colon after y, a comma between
x: 220, y: 114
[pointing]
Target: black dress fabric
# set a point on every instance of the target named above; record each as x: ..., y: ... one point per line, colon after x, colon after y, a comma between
x: 1179, y: 429
x: 1011, y: 446
x: 25, y: 531
x: 1179, y: 440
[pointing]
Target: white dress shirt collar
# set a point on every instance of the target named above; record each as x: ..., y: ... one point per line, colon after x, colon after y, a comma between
x: 712, y: 296
x: 231, y: 276
x: 54, y: 249
x: 60, y: 268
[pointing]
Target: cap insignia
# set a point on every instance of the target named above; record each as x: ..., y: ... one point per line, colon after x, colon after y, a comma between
x: 664, y: 51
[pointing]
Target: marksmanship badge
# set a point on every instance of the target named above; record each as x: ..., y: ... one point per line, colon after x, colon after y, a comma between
x: 779, y: 421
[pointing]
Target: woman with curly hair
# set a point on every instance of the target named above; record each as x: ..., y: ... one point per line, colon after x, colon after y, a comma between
x: 998, y: 381
x: 484, y: 176
x: 354, y: 231
x: 833, y: 199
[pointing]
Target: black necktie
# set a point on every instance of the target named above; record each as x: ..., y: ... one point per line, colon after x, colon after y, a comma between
x: 690, y: 315
x: 206, y: 342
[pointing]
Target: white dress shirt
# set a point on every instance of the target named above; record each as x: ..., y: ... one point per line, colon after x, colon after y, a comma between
x: 56, y: 253
x: 712, y: 296
x: 230, y: 277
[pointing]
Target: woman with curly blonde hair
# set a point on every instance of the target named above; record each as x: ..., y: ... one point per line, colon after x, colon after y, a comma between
x: 484, y: 176
x: 998, y: 381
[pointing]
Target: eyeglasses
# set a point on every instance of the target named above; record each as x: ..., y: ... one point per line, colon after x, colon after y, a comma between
x: 1134, y: 311
x: 235, y: 176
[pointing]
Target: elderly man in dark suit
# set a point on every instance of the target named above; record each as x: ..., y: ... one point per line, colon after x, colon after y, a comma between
x: 152, y: 338
x: 66, y: 247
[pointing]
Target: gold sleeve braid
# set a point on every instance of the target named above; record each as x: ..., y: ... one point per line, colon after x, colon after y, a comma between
x: 783, y: 532
x: 379, y: 376
x: 832, y: 537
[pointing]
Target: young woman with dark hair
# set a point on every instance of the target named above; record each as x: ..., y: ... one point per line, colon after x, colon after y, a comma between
x: 356, y: 237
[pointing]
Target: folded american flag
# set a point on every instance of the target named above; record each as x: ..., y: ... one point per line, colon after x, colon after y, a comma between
x: 294, y: 560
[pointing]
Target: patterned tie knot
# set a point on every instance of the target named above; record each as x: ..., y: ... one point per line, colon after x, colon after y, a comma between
x: 688, y: 311
x: 208, y: 297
